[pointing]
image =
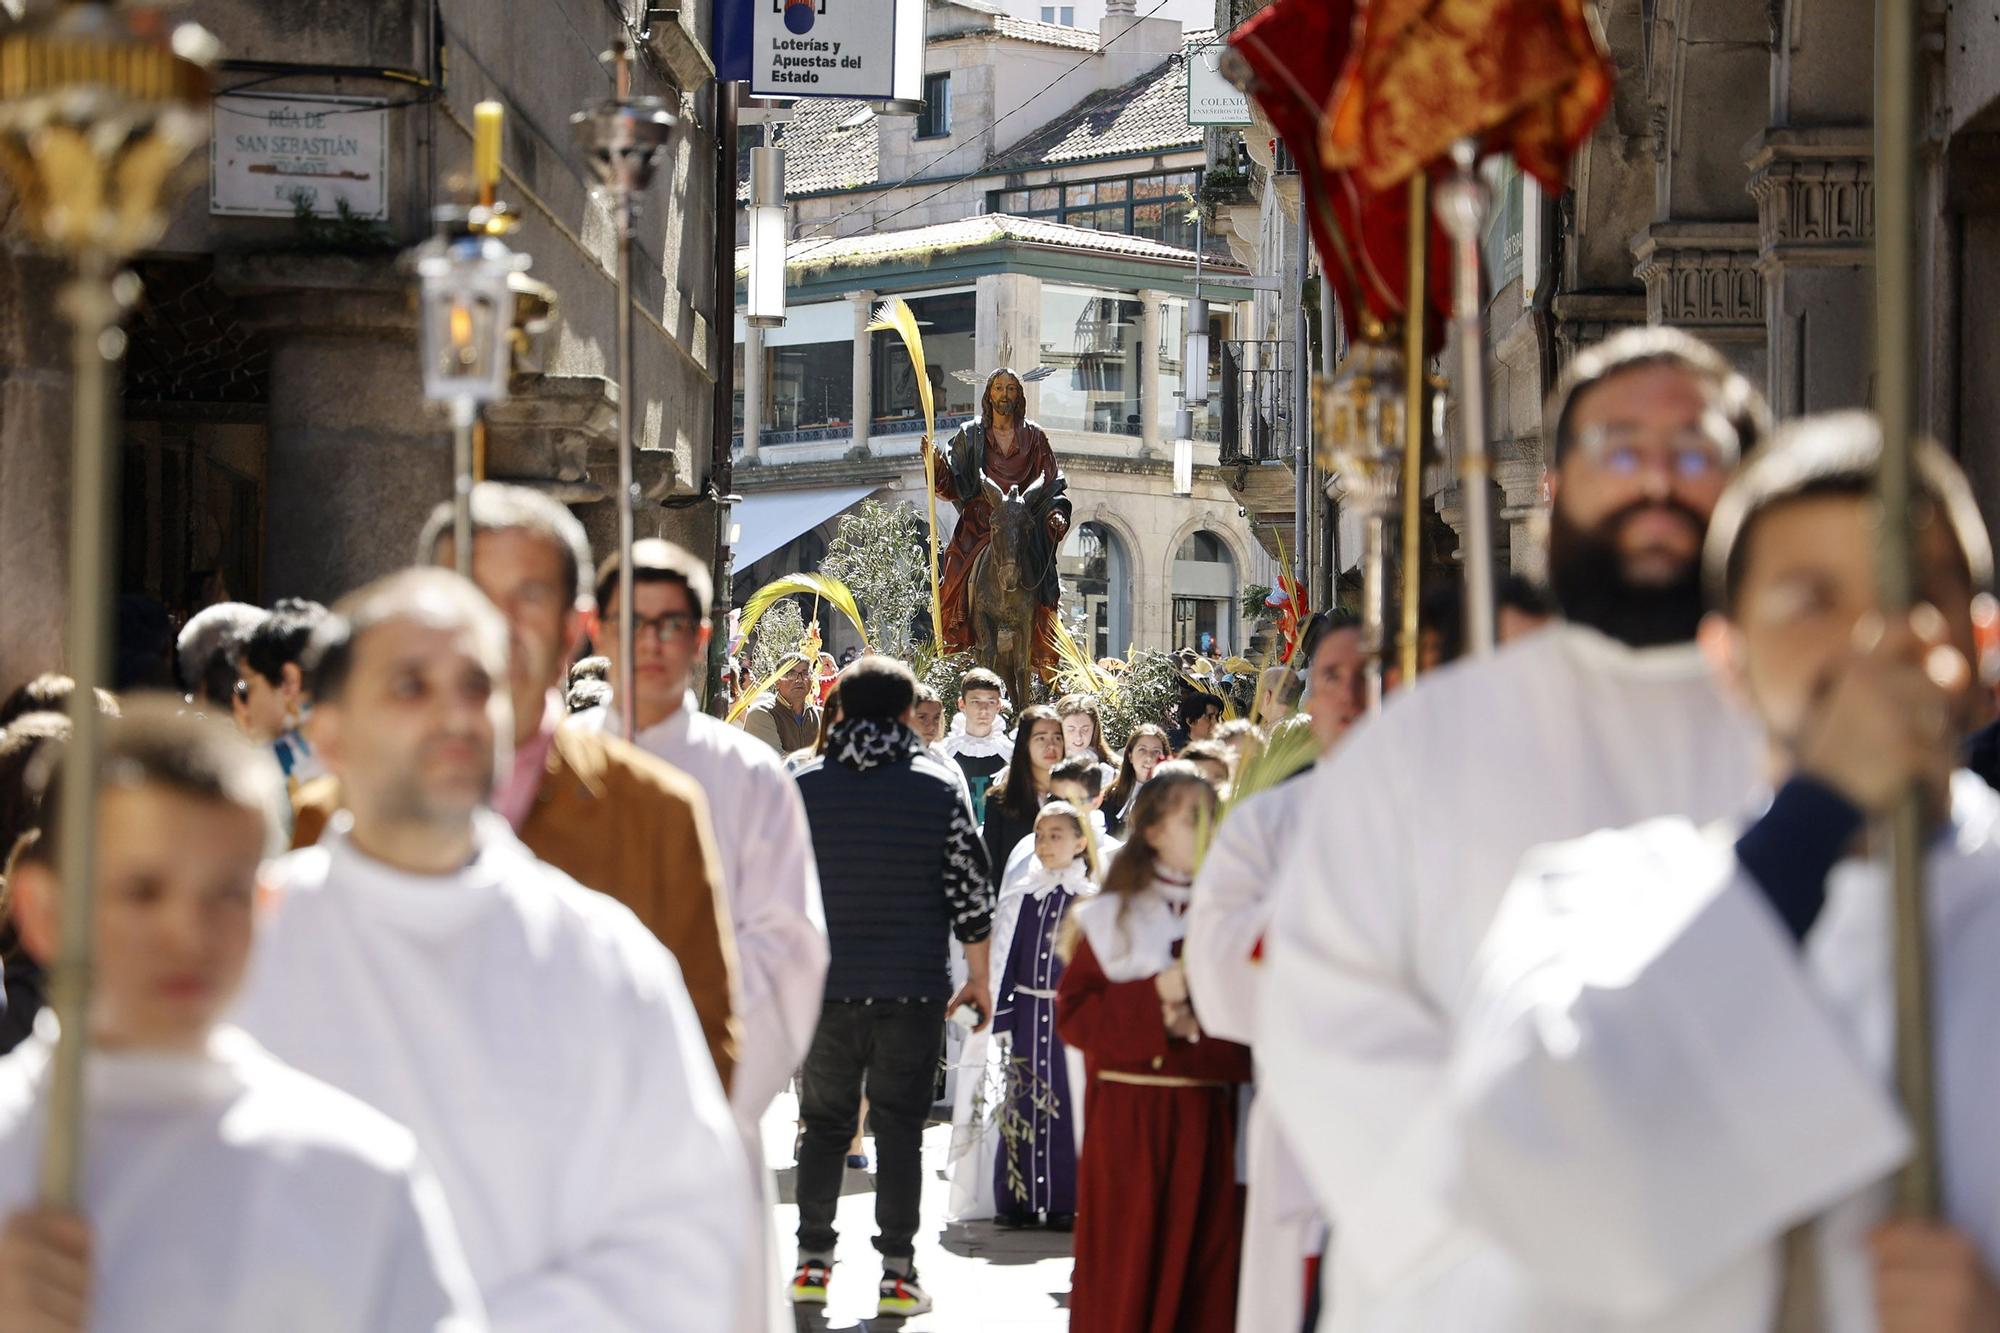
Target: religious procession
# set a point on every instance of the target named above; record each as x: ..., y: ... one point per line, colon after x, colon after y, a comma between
x: 1277, y: 666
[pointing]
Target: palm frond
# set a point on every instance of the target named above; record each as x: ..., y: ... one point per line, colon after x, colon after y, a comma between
x: 831, y: 590
x: 896, y: 315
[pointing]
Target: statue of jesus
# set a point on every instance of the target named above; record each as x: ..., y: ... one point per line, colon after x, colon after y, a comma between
x: 1014, y: 452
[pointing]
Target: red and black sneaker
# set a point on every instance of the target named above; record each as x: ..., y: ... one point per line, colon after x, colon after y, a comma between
x: 901, y: 1296
x: 809, y: 1283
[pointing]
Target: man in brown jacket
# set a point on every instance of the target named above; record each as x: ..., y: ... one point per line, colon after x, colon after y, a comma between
x: 604, y: 812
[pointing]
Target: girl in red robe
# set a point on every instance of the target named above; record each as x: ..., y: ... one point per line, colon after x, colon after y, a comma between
x: 1159, y: 1210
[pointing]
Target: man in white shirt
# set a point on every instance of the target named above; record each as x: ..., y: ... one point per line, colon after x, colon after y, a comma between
x: 222, y: 1192
x: 533, y: 1034
x: 1673, y: 1072
x: 1233, y: 897
x: 1420, y: 819
x: 761, y: 835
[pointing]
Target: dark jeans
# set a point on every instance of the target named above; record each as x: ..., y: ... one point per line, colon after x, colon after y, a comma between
x: 893, y: 1047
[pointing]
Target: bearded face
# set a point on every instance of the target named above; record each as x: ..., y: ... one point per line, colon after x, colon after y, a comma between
x: 1005, y: 400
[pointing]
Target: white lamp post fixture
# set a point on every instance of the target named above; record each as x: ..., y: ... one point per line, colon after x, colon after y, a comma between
x: 768, y: 224
x: 466, y: 335
x: 1184, y: 452
x: 1194, y: 362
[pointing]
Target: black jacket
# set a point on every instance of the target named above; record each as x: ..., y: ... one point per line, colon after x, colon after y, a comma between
x: 901, y: 864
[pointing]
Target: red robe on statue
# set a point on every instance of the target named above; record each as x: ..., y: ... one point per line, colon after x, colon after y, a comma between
x: 1159, y: 1212
x: 1032, y: 461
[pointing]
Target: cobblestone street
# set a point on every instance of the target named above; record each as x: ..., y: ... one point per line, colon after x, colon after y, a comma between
x: 983, y: 1279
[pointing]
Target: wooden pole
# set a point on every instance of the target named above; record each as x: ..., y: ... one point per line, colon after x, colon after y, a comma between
x: 1414, y: 414
x: 1896, y: 73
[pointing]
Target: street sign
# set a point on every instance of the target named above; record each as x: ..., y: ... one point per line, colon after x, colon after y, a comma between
x: 272, y: 154
x: 837, y: 48
x: 1212, y: 99
x: 1256, y: 282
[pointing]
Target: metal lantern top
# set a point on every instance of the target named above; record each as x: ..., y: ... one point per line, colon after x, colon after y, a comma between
x: 468, y: 317
x: 623, y: 137
x: 99, y: 110
x: 1363, y: 413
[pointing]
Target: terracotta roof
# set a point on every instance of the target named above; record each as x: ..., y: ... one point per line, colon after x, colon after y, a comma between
x: 1147, y: 115
x: 834, y: 143
x: 820, y: 253
x: 1044, y: 34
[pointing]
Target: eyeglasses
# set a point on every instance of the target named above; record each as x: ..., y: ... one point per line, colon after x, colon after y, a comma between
x: 1687, y: 455
x: 666, y: 625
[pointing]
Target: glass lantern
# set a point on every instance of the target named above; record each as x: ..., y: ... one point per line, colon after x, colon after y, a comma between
x: 468, y: 319
x: 765, y: 306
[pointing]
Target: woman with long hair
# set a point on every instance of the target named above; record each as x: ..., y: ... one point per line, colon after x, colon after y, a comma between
x: 1014, y: 800
x: 1159, y: 1212
x: 1145, y: 750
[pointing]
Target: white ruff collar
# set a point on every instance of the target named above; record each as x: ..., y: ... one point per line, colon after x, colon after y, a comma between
x: 1037, y: 881
x: 1134, y: 937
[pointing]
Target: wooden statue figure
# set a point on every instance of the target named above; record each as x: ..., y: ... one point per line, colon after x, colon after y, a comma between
x: 1013, y: 510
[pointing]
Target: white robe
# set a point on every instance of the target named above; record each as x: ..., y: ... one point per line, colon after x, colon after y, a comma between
x: 771, y: 880
x: 1656, y: 1082
x: 1414, y: 829
x: 538, y: 1041
x: 227, y: 1193
x: 978, y: 1092
x: 1233, y: 898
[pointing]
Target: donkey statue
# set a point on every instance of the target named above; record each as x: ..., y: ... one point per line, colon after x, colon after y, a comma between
x: 1005, y: 588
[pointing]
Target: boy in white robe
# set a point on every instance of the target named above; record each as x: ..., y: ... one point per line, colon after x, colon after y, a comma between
x: 765, y: 846
x: 1283, y: 1229
x: 222, y: 1191
x: 535, y: 1037
x: 1419, y: 821
x: 1678, y: 1047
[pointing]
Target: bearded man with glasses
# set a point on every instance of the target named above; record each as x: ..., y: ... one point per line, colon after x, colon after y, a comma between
x: 1424, y: 812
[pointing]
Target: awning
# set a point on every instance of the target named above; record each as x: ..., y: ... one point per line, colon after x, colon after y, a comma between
x: 774, y: 518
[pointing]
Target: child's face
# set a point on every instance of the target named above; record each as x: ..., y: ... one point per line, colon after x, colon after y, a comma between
x: 1058, y: 841
x: 1079, y: 730
x: 928, y: 719
x: 1172, y: 838
x: 1074, y: 792
x: 177, y: 879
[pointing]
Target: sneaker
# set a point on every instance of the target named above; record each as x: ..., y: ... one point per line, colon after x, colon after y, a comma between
x: 901, y: 1296
x: 809, y: 1283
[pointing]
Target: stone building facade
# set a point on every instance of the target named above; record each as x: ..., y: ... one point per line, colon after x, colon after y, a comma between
x: 1729, y: 190
x: 276, y: 440
x: 1046, y: 221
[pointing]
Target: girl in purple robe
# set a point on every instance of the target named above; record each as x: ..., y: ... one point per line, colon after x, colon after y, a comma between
x: 1040, y: 1123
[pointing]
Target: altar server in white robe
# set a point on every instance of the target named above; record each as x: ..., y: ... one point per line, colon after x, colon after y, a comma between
x: 765, y: 845
x: 1283, y: 1228
x: 1419, y: 821
x: 533, y: 1034
x: 222, y: 1192
x: 1678, y: 1047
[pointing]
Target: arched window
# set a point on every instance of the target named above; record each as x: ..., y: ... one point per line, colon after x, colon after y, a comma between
x: 1096, y: 590
x: 1205, y: 595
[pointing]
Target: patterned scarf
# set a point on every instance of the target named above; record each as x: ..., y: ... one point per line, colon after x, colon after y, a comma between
x: 863, y: 743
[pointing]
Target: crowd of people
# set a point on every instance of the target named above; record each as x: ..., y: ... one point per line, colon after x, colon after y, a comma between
x: 1555, y: 995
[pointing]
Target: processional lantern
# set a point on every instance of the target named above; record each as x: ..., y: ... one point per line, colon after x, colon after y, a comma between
x: 100, y: 112
x: 765, y: 307
x: 467, y: 335
x: 478, y: 307
x: 622, y: 137
x: 1365, y: 417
